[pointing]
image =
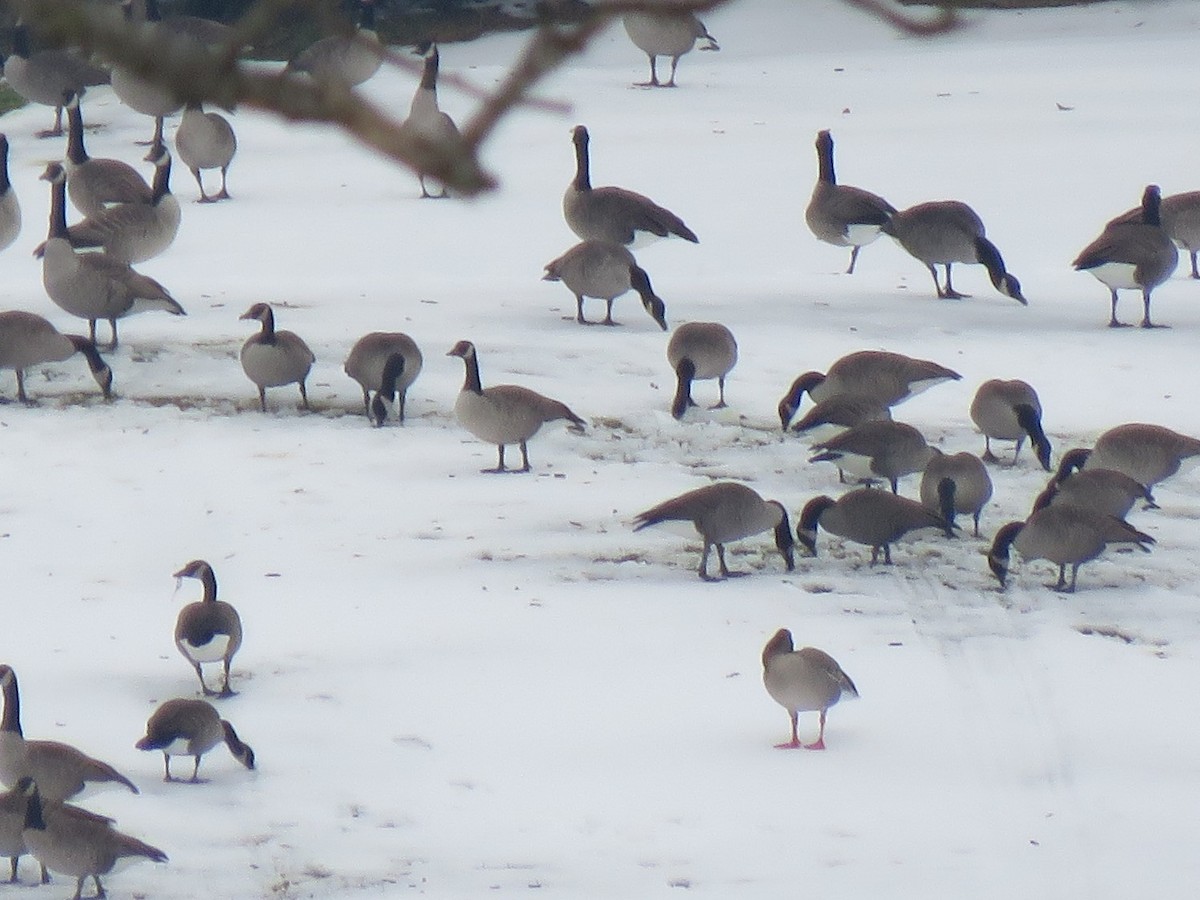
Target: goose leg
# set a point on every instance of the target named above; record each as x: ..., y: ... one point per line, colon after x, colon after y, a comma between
x: 1146, y: 323
x: 674, y: 66
x: 977, y: 514
x: 794, y: 743
x: 226, y: 691
x: 367, y: 402
x: 304, y: 396
x: 1112, y: 317
x: 703, y: 570
x: 200, y: 674
x: 112, y: 324
x: 400, y: 406
x: 608, y: 319
x: 21, y: 386
x: 653, y: 82
x: 524, y: 458
x: 720, y: 404
x: 579, y: 317
x: 500, y: 467
x: 224, y: 192
x: 100, y: 892
x: 895, y: 486
x: 12, y: 865
x: 950, y: 293
x: 167, y: 767
x: 55, y: 130
x: 853, y: 259
x: 819, y: 743
x: 1195, y: 272
x: 725, y: 573
x: 204, y: 198
x: 1017, y: 451
x: 196, y: 771
x: 988, y: 455
x: 262, y: 399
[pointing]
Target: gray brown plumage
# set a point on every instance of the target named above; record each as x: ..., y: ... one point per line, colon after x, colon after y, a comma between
x: 1104, y: 491
x: 1146, y: 453
x: 1009, y: 410
x: 208, y: 630
x: 369, y: 357
x: 866, y: 516
x: 184, y: 727
x: 205, y: 140
x: 879, y: 449
x: 956, y: 484
x: 666, y: 33
x: 346, y: 60
x: 426, y: 121
x: 10, y: 205
x: 97, y: 183
x: 840, y: 214
x: 43, y: 76
x: 838, y: 413
x: 700, y: 351
x: 12, y: 825
x: 803, y: 680
x: 27, y: 339
x: 604, y: 271
x: 273, y: 358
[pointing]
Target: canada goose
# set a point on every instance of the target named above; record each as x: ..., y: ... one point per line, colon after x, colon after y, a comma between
x: 274, y: 358
x: 95, y: 184
x: 1104, y: 491
x: 347, y: 59
x: 1134, y: 255
x: 191, y: 728
x: 1009, y: 410
x: 604, y: 271
x: 838, y: 413
x: 723, y: 512
x: 699, y: 351
x: 27, y: 339
x: 842, y: 215
x: 59, y: 768
x: 369, y: 357
x: 425, y: 117
x: 207, y: 630
x: 866, y: 516
x: 199, y: 31
x: 956, y: 483
x: 666, y: 34
x: 10, y: 206
x: 72, y: 841
x: 1181, y: 220
x: 614, y: 214
x: 877, y: 449
x: 802, y: 681
x: 93, y: 286
x: 42, y: 76
x: 12, y: 824
x: 381, y: 407
x: 945, y: 232
x: 1063, y: 534
x: 149, y: 98
x: 1146, y: 453
x: 888, y: 378
x: 503, y: 413
x: 205, y: 140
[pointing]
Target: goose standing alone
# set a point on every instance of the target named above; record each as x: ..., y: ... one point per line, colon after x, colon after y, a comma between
x: 27, y: 339
x: 1146, y: 453
x: 1009, y: 410
x: 700, y: 351
x: 207, y: 630
x: 43, y: 76
x: 274, y: 358
x: 723, y: 512
x: 614, y: 214
x: 10, y: 206
x: 604, y: 271
x: 191, y: 728
x: 368, y: 361
x: 803, y: 680
x: 59, y: 768
x: 503, y: 413
x: 956, y: 483
x: 866, y: 516
x: 943, y: 232
x: 348, y: 60
x: 666, y: 33
x: 205, y: 140
x: 877, y: 449
x: 426, y: 119
x: 97, y: 183
x: 840, y: 214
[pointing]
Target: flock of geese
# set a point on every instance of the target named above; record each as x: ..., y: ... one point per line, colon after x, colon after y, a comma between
x: 88, y: 272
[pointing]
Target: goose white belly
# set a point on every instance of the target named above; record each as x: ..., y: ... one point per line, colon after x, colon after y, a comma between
x: 1118, y: 276
x: 856, y: 465
x: 860, y: 235
x: 213, y: 651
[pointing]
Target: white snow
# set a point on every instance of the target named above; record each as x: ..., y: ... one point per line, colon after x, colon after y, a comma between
x: 458, y: 683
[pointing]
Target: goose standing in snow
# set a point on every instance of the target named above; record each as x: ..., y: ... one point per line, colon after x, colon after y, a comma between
x: 666, y: 33
x: 186, y: 727
x: 700, y: 351
x: 205, y: 140
x: 876, y: 449
x: 1146, y: 453
x: 347, y: 59
x: 207, y: 630
x: 1104, y: 491
x: 866, y: 516
x: 97, y: 183
x: 10, y: 206
x: 368, y: 362
x: 43, y: 76
x: 426, y: 119
x: 274, y: 358
x: 804, y: 680
x: 12, y: 825
x: 604, y: 271
x: 1009, y: 410
x: 956, y: 483
x: 838, y: 413
x: 27, y: 339
x: 840, y: 214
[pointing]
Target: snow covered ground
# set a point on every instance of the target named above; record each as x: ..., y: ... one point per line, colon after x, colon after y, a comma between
x: 458, y: 683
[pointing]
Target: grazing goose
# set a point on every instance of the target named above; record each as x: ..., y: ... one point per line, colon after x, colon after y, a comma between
x: 425, y: 117
x: 503, y: 413
x: 43, y: 76
x: 27, y: 339
x: 205, y: 140
x: 274, y: 358
x: 699, y: 351
x: 803, y: 680
x: 666, y: 34
x: 838, y: 413
x: 723, y: 512
x: 945, y: 232
x: 191, y: 728
x: 614, y: 214
x: 604, y: 271
x: 93, y: 286
x: 72, y: 841
x: 956, y: 483
x: 1180, y: 215
x: 347, y: 59
x: 877, y: 449
x: 59, y: 768
x: 1133, y: 255
x: 1146, y: 453
x: 1009, y: 410
x: 12, y: 826
x: 1104, y: 491
x: 368, y: 361
x: 96, y: 184
x: 842, y: 215
x: 1063, y: 534
x: 10, y: 206
x: 887, y: 378
x: 383, y: 405
x: 207, y: 630
x: 866, y: 516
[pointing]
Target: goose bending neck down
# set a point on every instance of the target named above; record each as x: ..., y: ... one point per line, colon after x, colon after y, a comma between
x: 27, y: 339
x: 803, y: 680
x: 700, y: 351
x: 866, y: 516
x: 185, y: 727
x: 605, y: 271
x: 666, y: 33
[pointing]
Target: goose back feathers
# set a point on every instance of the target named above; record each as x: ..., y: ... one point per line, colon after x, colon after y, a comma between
x: 27, y: 339
x: 866, y: 516
x: 368, y: 363
x: 184, y: 727
x: 604, y: 271
x: 803, y: 680
x: 273, y: 358
x: 1009, y: 410
x: 700, y: 351
x: 840, y: 214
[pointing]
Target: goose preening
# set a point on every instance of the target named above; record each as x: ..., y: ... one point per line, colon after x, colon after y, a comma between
x: 426, y: 119
x: 97, y: 183
x: 945, y: 232
x: 185, y: 727
x: 1063, y: 534
x: 205, y: 140
x: 838, y: 413
x: 60, y: 769
x: 614, y: 214
x: 43, y: 76
x: 804, y: 680
x: 27, y: 339
x: 604, y: 271
x: 504, y: 413
x: 372, y: 363
x: 1009, y: 410
x: 12, y: 826
x: 866, y: 516
x: 1104, y: 491
x: 877, y: 449
x: 93, y: 286
x: 207, y: 630
x: 954, y: 484
x: 1146, y: 453
x: 274, y: 358
x: 71, y: 841
x: 840, y: 214
x: 10, y: 206
x: 1132, y: 254
x: 666, y: 33
x: 879, y: 375
x: 346, y: 59
x: 700, y: 351
x: 723, y: 512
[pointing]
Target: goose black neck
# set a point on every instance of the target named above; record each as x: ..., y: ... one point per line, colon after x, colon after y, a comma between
x: 825, y: 158
x: 392, y: 370
x: 208, y: 578
x: 5, y: 183
x: 11, y: 723
x: 1152, y: 207
x: 429, y: 73
x: 33, y: 812
x: 684, y: 373
x: 20, y: 37
x: 472, y: 382
x: 239, y: 749
x: 366, y: 16
x: 162, y: 181
x: 267, y: 334
x: 153, y: 13
x: 989, y: 256
x: 58, y: 208
x: 583, y: 181
x: 75, y: 149
x: 90, y: 353
x: 946, y: 490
